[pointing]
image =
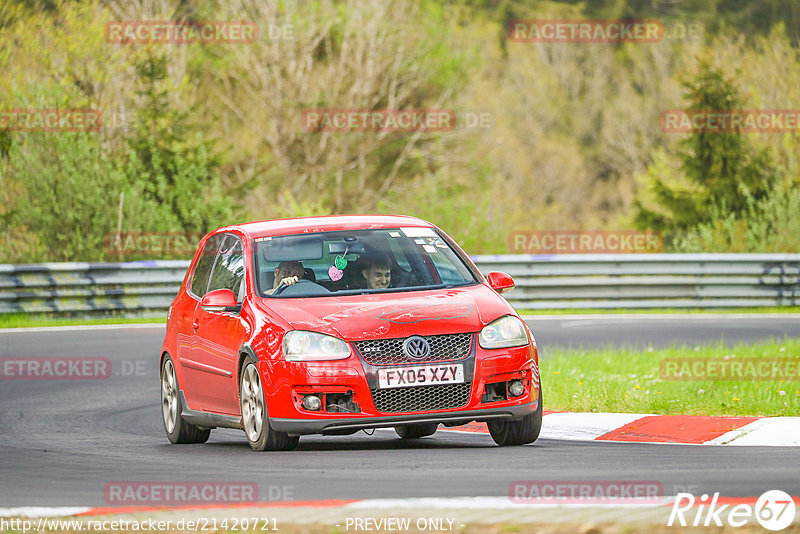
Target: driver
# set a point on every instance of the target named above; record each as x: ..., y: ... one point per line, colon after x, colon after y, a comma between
x: 376, y: 271
x: 286, y: 273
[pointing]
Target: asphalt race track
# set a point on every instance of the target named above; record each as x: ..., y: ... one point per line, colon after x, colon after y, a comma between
x: 662, y: 330
x: 62, y: 441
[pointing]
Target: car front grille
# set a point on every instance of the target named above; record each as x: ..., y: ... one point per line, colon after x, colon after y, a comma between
x: 421, y: 398
x: 444, y: 348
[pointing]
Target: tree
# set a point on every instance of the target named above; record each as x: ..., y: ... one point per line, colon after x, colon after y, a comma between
x: 721, y: 170
x: 171, y: 169
x: 58, y: 197
x: 352, y: 55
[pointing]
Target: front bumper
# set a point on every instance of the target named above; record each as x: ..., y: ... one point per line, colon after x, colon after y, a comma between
x: 356, y: 381
x: 320, y: 426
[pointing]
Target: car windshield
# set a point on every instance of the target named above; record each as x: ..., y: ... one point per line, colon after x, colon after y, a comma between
x: 358, y: 261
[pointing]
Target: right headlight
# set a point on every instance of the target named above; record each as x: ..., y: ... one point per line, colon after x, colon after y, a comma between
x: 507, y: 331
x: 304, y: 346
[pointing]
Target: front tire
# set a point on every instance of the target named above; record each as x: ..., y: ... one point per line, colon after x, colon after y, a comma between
x: 178, y: 430
x: 254, y: 414
x: 519, y: 432
x: 416, y: 431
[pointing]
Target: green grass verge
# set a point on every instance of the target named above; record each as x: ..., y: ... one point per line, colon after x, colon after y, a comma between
x: 620, y: 380
x: 32, y: 320
x: 581, y: 311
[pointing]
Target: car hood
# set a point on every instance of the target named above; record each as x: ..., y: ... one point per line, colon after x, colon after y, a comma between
x: 388, y: 315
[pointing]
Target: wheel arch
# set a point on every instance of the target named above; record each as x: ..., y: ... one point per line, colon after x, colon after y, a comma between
x: 164, y: 354
x: 245, y: 352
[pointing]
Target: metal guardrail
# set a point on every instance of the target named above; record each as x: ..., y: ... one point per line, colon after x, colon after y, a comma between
x: 649, y: 280
x: 543, y: 282
x: 132, y: 288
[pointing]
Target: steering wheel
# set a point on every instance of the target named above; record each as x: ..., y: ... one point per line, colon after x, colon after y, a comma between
x: 282, y: 287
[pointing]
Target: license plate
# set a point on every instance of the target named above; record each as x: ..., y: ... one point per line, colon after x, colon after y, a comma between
x: 420, y: 375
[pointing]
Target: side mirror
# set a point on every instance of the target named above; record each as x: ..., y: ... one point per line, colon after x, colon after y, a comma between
x: 220, y: 300
x: 500, y: 282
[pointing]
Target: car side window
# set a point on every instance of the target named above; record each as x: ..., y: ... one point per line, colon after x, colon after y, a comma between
x: 205, y: 263
x: 228, y: 271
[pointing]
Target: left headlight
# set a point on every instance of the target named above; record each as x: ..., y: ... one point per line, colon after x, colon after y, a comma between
x: 303, y: 346
x: 504, y: 332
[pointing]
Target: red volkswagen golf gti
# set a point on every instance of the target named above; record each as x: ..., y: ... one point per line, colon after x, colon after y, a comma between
x: 330, y: 325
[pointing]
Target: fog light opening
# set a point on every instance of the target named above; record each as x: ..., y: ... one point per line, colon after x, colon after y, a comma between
x: 516, y: 388
x: 497, y: 391
x: 341, y: 403
x: 312, y: 403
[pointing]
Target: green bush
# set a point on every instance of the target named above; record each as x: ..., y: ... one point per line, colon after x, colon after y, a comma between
x: 59, y: 197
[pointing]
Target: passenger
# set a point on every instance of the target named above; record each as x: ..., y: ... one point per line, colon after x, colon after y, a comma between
x: 286, y: 273
x: 376, y: 271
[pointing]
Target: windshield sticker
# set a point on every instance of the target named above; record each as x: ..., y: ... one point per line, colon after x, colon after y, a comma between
x: 419, y: 241
x: 419, y: 232
x: 429, y: 248
x: 394, y: 234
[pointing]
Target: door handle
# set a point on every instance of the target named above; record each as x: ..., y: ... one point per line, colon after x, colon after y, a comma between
x: 195, y: 325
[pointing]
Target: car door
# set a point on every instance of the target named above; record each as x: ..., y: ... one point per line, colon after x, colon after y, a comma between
x: 192, y: 378
x: 219, y: 334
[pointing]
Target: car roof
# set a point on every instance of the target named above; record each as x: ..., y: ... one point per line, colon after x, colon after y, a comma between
x: 325, y: 223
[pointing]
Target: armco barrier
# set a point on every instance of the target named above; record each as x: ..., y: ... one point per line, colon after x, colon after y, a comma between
x: 543, y: 282
x: 131, y: 288
x: 649, y: 280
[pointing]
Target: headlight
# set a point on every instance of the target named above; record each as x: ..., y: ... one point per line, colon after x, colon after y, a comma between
x: 302, y: 346
x: 505, y: 332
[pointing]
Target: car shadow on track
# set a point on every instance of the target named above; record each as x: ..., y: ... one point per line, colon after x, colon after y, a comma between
x: 384, y: 440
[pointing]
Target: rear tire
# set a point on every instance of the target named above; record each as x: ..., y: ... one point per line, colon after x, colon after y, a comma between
x: 519, y: 432
x: 416, y: 431
x: 255, y: 418
x: 178, y: 430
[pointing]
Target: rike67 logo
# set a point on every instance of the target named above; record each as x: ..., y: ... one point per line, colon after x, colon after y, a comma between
x: 774, y: 510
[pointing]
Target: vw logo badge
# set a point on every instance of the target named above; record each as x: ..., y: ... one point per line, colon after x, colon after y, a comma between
x: 416, y: 347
